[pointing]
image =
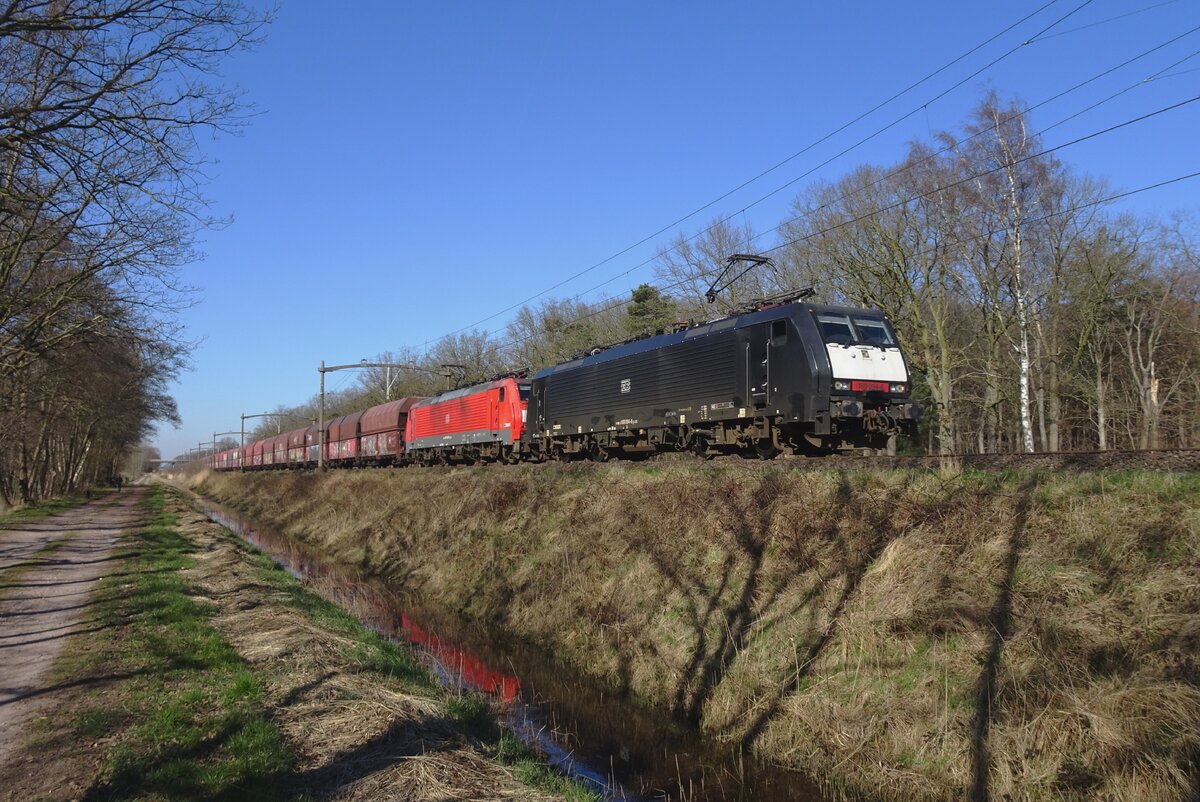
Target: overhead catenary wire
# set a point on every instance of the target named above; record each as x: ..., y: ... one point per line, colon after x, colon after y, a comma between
x: 988, y: 129
x: 826, y: 137
x: 1046, y: 151
x: 1107, y: 20
x: 976, y: 176
x: 957, y: 240
x: 933, y: 155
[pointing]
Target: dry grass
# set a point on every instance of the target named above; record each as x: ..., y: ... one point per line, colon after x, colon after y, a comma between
x: 922, y: 635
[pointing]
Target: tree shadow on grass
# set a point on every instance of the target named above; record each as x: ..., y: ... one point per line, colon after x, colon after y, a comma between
x: 300, y: 691
x: 82, y: 605
x: 68, y: 630
x: 84, y: 581
x: 230, y: 762
x: 21, y: 694
x: 853, y: 561
x: 1000, y: 626
x: 400, y: 741
x: 726, y: 606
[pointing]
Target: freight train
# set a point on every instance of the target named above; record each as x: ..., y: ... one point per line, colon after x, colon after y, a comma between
x: 781, y: 377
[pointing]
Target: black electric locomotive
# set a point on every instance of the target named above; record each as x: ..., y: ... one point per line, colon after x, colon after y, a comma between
x: 784, y: 376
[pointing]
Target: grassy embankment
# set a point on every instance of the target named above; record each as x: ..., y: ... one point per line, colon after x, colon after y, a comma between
x: 912, y: 634
x: 201, y: 657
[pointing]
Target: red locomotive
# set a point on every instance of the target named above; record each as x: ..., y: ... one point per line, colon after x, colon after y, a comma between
x: 483, y: 422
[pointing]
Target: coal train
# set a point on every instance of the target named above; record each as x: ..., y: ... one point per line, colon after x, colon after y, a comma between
x: 780, y: 377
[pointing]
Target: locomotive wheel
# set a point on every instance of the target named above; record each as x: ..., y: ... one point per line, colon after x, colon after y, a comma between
x: 765, y: 449
x: 699, y: 447
x: 597, y: 453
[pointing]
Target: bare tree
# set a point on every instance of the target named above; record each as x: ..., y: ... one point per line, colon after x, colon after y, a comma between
x: 99, y: 169
x: 471, y: 357
x: 100, y: 177
x: 688, y: 266
x: 879, y: 239
x: 558, y: 329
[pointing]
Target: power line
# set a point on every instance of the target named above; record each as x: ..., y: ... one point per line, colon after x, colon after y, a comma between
x: 1031, y: 108
x: 515, y: 341
x: 955, y: 240
x: 1113, y: 19
x: 813, y: 144
x: 997, y: 125
x: 979, y: 175
x: 930, y: 157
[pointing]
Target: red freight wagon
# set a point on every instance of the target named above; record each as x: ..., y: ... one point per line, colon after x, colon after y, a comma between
x: 275, y: 450
x: 256, y: 453
x: 295, y: 447
x: 381, y: 431
x: 484, y: 421
x: 343, y: 438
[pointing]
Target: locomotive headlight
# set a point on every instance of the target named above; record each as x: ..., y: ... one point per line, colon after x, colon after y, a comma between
x: 898, y: 388
x: 838, y: 384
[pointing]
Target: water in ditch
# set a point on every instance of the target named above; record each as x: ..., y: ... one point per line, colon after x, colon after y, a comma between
x: 621, y: 749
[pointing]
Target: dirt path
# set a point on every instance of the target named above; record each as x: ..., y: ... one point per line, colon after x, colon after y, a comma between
x: 47, y: 571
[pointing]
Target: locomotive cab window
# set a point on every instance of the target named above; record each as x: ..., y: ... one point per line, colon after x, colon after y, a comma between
x: 835, y: 328
x: 778, y: 332
x: 874, y: 331
x: 501, y: 393
x: 524, y: 390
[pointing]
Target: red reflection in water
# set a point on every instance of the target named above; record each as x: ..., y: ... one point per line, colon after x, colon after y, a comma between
x: 472, y: 669
x: 378, y: 609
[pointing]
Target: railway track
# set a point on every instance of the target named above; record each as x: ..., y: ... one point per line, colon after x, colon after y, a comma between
x: 1185, y: 459
x: 1178, y: 460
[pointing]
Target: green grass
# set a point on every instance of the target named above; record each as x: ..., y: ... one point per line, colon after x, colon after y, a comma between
x: 183, y: 717
x: 41, y: 509
x: 191, y: 717
x: 531, y: 769
x: 473, y: 715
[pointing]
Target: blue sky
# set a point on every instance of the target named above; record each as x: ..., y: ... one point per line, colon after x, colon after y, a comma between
x: 417, y: 166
